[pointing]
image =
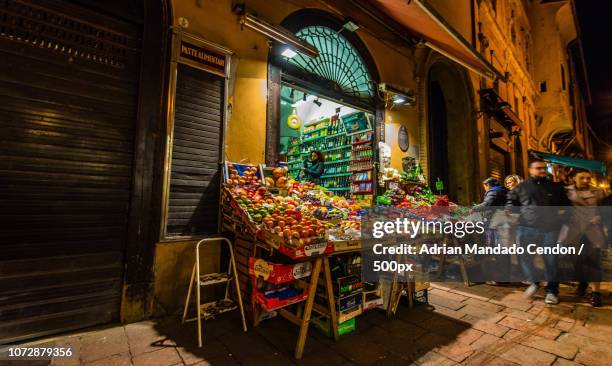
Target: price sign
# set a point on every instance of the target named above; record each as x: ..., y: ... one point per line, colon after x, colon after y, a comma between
x: 439, y: 185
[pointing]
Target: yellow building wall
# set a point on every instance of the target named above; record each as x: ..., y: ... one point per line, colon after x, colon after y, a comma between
x: 246, y: 125
x: 394, y: 119
x: 248, y: 113
x: 172, y: 269
x: 215, y: 22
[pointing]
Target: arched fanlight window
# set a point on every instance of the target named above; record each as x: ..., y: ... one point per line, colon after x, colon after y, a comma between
x: 338, y: 64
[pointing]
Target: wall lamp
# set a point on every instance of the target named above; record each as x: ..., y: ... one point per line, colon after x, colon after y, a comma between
x: 279, y: 34
x: 398, y: 96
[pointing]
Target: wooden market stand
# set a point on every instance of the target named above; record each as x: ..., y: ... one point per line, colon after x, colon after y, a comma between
x: 317, y: 255
x: 320, y: 274
x: 253, y: 243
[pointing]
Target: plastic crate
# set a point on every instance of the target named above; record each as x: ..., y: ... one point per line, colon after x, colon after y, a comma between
x: 349, y: 314
x: 349, y: 302
x: 324, y: 325
x: 278, y: 273
x: 270, y: 304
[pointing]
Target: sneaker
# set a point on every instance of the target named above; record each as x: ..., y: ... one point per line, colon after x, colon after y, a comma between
x: 596, y: 299
x: 530, y: 291
x: 551, y: 299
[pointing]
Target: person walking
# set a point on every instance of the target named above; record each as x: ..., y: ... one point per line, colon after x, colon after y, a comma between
x: 494, y: 198
x: 495, y: 195
x: 511, y: 181
x: 537, y: 225
x: 505, y: 227
x: 585, y: 221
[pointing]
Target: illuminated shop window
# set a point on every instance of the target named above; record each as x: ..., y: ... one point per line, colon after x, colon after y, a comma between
x: 338, y: 62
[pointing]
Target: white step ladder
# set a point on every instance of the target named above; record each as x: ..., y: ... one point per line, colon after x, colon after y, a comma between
x: 212, y: 309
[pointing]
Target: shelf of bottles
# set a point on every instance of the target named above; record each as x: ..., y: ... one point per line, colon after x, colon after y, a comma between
x: 328, y: 136
x: 362, y: 162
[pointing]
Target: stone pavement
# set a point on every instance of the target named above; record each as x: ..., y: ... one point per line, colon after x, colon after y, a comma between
x: 478, y: 325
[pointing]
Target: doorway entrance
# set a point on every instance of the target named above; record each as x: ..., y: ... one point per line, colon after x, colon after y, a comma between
x: 452, y: 141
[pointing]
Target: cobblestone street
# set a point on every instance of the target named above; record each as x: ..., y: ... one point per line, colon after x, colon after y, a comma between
x: 479, y: 325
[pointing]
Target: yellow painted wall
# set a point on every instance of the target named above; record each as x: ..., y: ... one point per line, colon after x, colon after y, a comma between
x: 245, y: 133
x: 215, y: 22
x: 172, y: 270
x: 395, y: 118
x: 246, y: 129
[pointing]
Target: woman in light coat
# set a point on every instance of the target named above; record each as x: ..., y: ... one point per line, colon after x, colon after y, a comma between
x: 585, y: 221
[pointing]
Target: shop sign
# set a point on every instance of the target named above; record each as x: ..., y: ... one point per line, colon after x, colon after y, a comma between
x: 402, y: 138
x: 356, y: 122
x: 439, y: 185
x: 210, y: 59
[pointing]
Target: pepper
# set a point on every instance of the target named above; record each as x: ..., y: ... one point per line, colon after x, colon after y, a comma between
x: 383, y: 200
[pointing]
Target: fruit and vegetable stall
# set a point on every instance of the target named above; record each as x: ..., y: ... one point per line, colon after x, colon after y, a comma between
x: 300, y: 252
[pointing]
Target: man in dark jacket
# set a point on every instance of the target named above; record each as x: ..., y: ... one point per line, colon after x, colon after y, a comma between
x: 495, y: 195
x: 538, y: 225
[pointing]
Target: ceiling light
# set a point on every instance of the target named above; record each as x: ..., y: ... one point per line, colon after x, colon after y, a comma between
x: 350, y: 26
x: 397, y: 95
x: 399, y: 100
x: 276, y: 33
x: 288, y: 53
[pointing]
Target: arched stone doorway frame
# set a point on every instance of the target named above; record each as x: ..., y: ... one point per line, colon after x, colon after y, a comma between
x: 461, y: 80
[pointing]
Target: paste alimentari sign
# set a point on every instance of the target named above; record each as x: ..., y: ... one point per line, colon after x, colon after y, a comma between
x: 210, y: 59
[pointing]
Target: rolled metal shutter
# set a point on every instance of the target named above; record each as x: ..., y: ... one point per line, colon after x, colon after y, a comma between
x: 498, y: 162
x: 68, y: 106
x: 193, y: 207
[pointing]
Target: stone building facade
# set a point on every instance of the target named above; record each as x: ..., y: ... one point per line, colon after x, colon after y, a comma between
x: 90, y: 125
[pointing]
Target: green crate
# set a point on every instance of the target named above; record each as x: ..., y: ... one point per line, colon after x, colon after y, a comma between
x: 323, y: 324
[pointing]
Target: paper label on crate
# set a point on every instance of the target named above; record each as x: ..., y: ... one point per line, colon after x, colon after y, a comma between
x: 262, y: 269
x: 312, y: 249
x: 353, y: 243
x: 302, y: 270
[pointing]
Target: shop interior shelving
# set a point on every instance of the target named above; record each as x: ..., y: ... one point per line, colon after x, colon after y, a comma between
x: 328, y: 136
x: 362, y: 165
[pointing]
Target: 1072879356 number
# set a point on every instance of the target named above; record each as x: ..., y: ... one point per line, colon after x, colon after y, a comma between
x: 11, y: 353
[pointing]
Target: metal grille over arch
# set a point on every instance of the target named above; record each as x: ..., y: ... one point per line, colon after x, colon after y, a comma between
x: 338, y: 64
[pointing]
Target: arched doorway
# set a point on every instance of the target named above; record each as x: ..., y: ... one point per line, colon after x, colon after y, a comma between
x: 326, y: 103
x: 452, y: 141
